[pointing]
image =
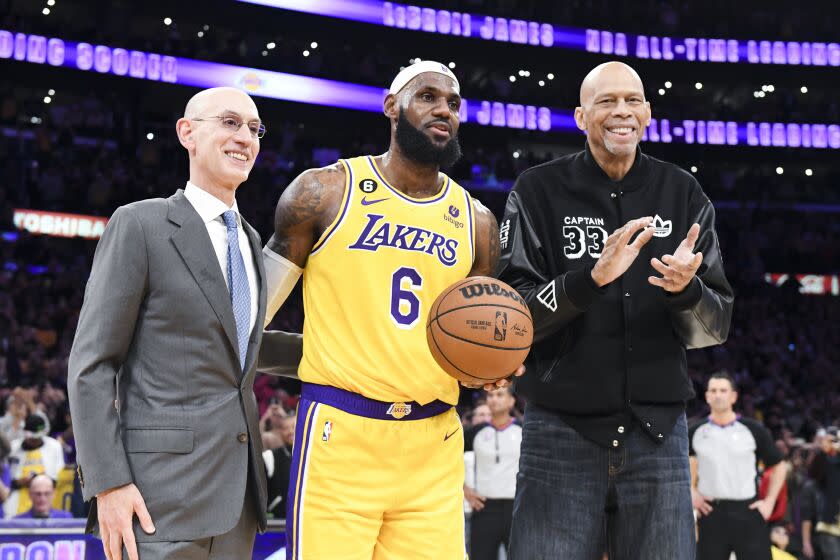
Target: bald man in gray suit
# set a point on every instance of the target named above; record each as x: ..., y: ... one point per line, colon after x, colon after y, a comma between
x: 162, y: 368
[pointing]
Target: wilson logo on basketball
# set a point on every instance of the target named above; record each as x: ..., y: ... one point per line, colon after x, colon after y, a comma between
x: 477, y: 290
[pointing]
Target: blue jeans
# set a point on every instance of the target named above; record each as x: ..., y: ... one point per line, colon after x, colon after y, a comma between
x: 575, y: 499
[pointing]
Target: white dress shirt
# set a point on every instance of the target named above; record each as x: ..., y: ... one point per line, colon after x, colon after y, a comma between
x: 211, y: 209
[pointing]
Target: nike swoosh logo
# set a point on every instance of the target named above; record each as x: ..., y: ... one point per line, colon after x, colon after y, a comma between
x: 447, y: 436
x: 366, y: 202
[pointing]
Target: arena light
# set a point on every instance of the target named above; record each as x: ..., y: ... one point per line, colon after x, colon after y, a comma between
x: 102, y: 59
x: 542, y: 83
x: 518, y: 31
x: 804, y: 89
x: 313, y: 45
x: 668, y: 85
x: 452, y: 65
x: 698, y: 85
x: 550, y: 76
x: 270, y: 45
x: 661, y: 91
x: 45, y: 11
x: 694, y: 169
x: 512, y: 78
x: 150, y: 136
x: 200, y: 34
x: 47, y: 99
x: 167, y: 21
x: 780, y: 170
x: 306, y: 53
x: 809, y: 172
x: 51, y: 92
x: 50, y: 3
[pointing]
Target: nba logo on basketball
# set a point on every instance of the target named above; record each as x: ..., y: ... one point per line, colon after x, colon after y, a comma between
x: 399, y: 410
x: 327, y: 431
x: 501, y: 326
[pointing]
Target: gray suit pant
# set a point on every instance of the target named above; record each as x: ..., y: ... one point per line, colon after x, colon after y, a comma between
x: 236, y: 544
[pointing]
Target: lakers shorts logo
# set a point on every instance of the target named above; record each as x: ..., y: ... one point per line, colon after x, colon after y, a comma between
x: 399, y: 410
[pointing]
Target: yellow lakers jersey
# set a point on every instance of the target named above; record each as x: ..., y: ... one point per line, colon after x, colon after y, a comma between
x: 370, y: 281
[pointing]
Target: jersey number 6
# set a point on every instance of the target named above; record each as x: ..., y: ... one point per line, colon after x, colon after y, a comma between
x: 400, y: 296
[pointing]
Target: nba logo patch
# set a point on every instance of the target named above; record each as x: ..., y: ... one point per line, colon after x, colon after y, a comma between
x: 501, y: 326
x: 325, y: 436
x: 399, y: 410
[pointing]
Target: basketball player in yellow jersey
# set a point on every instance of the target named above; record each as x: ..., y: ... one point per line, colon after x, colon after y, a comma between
x: 377, y: 468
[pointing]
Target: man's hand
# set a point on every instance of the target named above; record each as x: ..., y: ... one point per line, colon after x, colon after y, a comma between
x: 700, y: 503
x: 475, y: 499
x: 764, y: 507
x: 808, y: 549
x: 678, y: 269
x: 618, y: 253
x: 504, y: 382
x: 116, y: 508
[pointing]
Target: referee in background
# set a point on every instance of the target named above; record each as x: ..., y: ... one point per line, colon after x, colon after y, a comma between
x: 496, y: 448
x: 724, y: 450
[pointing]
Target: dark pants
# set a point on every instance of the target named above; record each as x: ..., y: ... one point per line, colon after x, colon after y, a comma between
x: 829, y: 545
x: 490, y: 528
x: 576, y: 499
x: 733, y: 527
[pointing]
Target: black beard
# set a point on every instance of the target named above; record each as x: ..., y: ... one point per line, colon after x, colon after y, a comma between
x: 419, y: 148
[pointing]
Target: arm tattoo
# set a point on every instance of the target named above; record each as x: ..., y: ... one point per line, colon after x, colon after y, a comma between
x: 301, y: 206
x: 298, y: 204
x: 486, y: 243
x: 301, y: 212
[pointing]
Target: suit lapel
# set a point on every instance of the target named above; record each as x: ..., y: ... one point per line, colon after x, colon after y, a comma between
x: 256, y: 332
x: 193, y: 244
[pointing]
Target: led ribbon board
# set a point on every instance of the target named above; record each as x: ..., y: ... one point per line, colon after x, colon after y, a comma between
x: 505, y: 30
x: 102, y: 59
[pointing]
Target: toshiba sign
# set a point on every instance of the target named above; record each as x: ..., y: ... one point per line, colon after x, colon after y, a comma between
x: 59, y: 224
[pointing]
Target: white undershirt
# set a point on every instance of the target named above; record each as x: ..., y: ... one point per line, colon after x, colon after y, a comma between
x: 210, y: 209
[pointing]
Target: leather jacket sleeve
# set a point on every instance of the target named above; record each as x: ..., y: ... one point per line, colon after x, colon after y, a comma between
x: 702, y: 313
x: 554, y: 302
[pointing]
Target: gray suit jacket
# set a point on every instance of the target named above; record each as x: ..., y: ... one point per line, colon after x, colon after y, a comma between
x: 154, y: 382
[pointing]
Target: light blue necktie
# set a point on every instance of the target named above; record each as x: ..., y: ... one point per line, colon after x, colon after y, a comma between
x: 240, y: 293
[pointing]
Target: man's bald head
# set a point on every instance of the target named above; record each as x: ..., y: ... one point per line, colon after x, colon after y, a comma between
x: 220, y: 130
x: 608, y: 74
x: 41, y: 492
x: 213, y: 96
x: 613, y: 112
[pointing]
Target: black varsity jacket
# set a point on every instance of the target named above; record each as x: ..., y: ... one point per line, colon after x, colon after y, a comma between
x: 604, y: 357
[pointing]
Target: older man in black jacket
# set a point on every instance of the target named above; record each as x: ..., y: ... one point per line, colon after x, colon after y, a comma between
x: 604, y: 460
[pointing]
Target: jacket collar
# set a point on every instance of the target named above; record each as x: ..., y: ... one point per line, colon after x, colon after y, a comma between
x: 634, y: 179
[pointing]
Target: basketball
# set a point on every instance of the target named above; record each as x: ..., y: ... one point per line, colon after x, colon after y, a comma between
x: 479, y: 330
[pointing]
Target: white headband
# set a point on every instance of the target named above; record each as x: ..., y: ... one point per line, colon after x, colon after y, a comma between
x: 410, y: 72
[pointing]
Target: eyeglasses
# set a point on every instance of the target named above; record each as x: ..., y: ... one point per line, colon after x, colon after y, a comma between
x: 256, y: 128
